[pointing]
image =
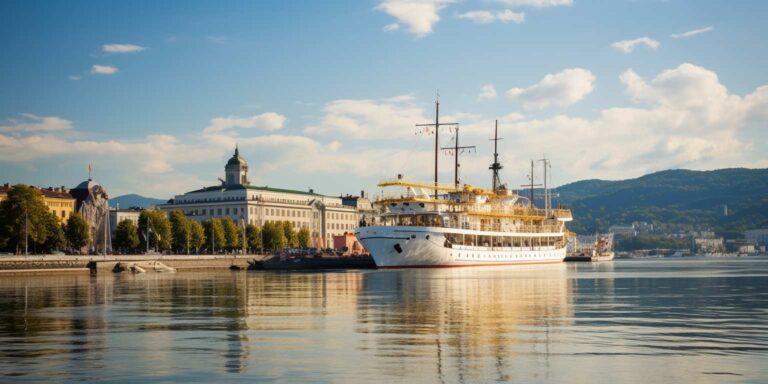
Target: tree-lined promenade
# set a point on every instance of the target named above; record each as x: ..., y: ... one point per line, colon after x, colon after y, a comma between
x: 27, y: 226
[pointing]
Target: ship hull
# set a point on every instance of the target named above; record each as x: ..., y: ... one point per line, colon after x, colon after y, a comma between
x: 425, y: 247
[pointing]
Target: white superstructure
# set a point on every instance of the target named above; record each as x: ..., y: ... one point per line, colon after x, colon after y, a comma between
x: 435, y: 225
x: 463, y: 228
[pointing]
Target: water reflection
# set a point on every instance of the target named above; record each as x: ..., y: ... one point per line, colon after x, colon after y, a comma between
x: 462, y: 322
x: 699, y: 320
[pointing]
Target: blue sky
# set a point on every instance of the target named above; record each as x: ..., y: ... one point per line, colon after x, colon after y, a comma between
x: 326, y: 94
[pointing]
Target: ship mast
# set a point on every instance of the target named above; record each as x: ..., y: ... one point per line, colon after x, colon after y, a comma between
x: 437, y: 125
x: 455, y: 150
x: 532, y: 184
x: 496, y: 166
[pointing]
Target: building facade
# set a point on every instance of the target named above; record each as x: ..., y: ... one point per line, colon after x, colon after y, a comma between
x: 58, y: 200
x: 323, y: 216
x: 118, y: 215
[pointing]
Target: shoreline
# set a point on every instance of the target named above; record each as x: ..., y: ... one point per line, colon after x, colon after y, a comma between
x: 43, y: 264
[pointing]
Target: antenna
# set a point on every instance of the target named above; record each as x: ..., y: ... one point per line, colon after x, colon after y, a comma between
x: 437, y: 125
x: 531, y: 179
x: 496, y: 166
x: 455, y: 149
x: 545, y: 165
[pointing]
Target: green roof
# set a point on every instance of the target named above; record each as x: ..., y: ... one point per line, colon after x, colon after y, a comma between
x: 253, y: 187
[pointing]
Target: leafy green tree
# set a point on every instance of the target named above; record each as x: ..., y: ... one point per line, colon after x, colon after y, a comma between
x: 214, y: 232
x: 159, y: 230
x: 274, y: 236
x: 303, y: 237
x: 291, y: 239
x: 198, y: 235
x: 181, y: 233
x: 232, y: 234
x: 77, y: 232
x: 23, y: 212
x: 56, y: 239
x: 126, y: 236
x: 253, y: 235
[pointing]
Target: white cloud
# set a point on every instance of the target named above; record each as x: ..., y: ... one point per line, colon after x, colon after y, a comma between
x: 34, y: 123
x: 73, y: 77
x: 419, y: 16
x: 486, y: 17
x: 268, y: 121
x: 682, y: 117
x: 692, y: 33
x: 690, y: 121
x: 121, y: 48
x: 488, y: 91
x: 536, y: 3
x: 369, y: 119
x: 627, y: 46
x: 559, y: 89
x: 103, y: 70
x: 391, y: 27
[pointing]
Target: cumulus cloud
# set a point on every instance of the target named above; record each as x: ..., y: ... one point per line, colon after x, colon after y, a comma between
x: 369, y: 119
x: 627, y: 46
x: 121, y: 48
x: 691, y: 33
x: 419, y: 16
x: 536, y: 3
x: 487, y: 17
x: 268, y: 121
x: 690, y: 120
x: 488, y: 91
x: 34, y: 123
x: 560, y: 89
x: 103, y: 70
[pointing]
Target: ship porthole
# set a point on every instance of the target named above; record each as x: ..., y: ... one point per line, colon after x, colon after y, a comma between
x: 398, y: 248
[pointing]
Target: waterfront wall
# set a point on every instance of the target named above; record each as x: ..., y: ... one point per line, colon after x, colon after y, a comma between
x: 101, y: 264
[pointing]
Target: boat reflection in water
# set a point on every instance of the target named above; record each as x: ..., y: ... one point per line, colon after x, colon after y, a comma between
x: 464, y: 324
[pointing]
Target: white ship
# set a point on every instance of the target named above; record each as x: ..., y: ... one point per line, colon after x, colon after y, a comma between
x: 439, y: 225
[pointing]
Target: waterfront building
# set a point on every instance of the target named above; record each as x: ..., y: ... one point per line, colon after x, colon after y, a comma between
x: 758, y: 237
x: 236, y: 198
x: 92, y: 203
x: 362, y: 205
x: 57, y: 199
x: 118, y: 215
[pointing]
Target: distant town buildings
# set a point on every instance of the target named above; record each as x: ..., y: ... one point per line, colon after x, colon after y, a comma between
x: 236, y: 198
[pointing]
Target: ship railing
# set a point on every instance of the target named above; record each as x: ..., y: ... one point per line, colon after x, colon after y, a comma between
x: 491, y: 227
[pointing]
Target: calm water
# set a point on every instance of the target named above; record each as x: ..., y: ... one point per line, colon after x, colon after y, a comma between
x: 675, y: 320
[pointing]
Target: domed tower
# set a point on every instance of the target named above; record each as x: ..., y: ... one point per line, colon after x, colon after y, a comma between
x: 236, y: 170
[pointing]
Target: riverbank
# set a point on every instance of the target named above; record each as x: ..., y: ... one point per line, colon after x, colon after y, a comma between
x: 99, y: 264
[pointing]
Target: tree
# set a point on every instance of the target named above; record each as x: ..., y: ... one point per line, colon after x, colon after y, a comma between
x: 303, y: 237
x: 232, y: 234
x: 159, y: 230
x: 180, y: 232
x: 253, y: 235
x: 23, y: 214
x: 214, y: 232
x: 77, y: 232
x: 126, y: 236
x: 274, y: 236
x: 197, y: 234
x: 56, y: 239
x: 290, y: 235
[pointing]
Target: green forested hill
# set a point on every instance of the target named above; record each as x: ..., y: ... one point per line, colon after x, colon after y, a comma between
x: 673, y: 199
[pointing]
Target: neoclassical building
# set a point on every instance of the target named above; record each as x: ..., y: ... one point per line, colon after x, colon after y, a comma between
x: 324, y: 216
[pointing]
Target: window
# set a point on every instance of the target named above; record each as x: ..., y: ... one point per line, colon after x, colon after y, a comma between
x: 219, y: 211
x: 227, y: 211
